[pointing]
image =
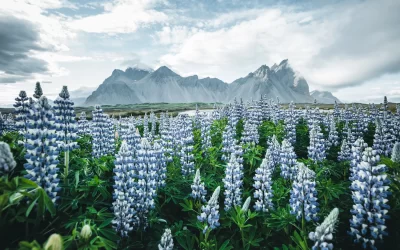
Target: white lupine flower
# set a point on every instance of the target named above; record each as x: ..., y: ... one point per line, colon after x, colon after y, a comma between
x: 324, y: 232
x: 166, y: 243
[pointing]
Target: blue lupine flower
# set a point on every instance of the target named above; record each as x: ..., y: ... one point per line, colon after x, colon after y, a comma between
x: 21, y: 112
x: 274, y: 148
x: 83, y: 125
x: 290, y: 124
x: 288, y: 161
x: 65, y: 121
x: 233, y: 183
x: 356, y: 155
x: 303, y: 196
x: 166, y: 243
x: 166, y: 137
x: 161, y: 163
x: 7, y: 163
x: 146, y: 188
x: 369, y: 187
x: 344, y: 153
x: 228, y: 136
x: 205, y: 129
x: 199, y: 192
x: 109, y: 135
x: 146, y: 133
x: 263, y: 184
x: 124, y: 192
x: 316, y: 150
x: 186, y: 155
x: 41, y: 148
x: 99, y: 132
x: 210, y: 212
x: 333, y: 138
x: 324, y: 232
x: 250, y: 132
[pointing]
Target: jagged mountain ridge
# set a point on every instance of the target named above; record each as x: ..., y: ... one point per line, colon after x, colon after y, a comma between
x: 136, y: 85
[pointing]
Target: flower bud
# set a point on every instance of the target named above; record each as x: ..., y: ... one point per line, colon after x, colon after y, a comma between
x: 86, y: 232
x: 55, y: 242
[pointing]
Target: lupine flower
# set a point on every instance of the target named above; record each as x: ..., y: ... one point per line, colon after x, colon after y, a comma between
x: 288, y: 161
x: 109, y: 135
x: 274, y: 148
x: 379, y: 138
x: 187, y: 158
x: 2, y: 124
x: 65, y: 121
x: 83, y: 125
x: 246, y: 204
x: 205, y: 129
x: 233, y: 183
x: 7, y: 163
x: 303, y: 196
x: 41, y: 148
x: 146, y: 133
x: 86, y: 232
x: 290, y: 124
x: 333, y: 138
x: 396, y: 152
x: 210, y: 212
x: 166, y: 137
x: 369, y: 187
x: 199, y: 192
x: 316, y: 150
x: 250, y: 132
x: 99, y: 132
x: 356, y: 155
x: 324, y: 232
x: 21, y: 111
x: 263, y: 184
x: 38, y: 91
x: 147, y: 181
x: 124, y: 192
x: 228, y: 136
x: 166, y: 243
x: 344, y: 153
x: 161, y: 164
x: 55, y: 242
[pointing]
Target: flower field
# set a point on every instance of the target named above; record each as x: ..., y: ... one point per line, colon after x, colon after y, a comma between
x: 251, y: 175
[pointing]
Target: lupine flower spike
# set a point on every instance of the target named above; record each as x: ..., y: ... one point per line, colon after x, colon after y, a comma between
x: 324, y: 232
x: 166, y: 243
x: 210, y: 212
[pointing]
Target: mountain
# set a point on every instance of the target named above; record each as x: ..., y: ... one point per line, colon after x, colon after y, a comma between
x: 78, y: 96
x: 324, y: 97
x: 138, y: 85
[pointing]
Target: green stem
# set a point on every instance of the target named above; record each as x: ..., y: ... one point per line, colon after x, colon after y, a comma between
x: 66, y: 170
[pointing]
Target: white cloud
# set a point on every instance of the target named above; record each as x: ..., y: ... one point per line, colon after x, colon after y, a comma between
x: 121, y: 16
x: 335, y: 46
x: 174, y: 35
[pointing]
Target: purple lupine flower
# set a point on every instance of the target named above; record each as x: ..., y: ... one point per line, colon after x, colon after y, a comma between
x: 263, y: 184
x: 303, y: 196
x: 233, y: 182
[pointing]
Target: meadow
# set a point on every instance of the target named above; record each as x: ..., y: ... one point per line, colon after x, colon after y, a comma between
x: 245, y: 176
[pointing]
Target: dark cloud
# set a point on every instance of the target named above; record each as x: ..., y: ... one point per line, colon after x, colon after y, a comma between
x: 18, y: 38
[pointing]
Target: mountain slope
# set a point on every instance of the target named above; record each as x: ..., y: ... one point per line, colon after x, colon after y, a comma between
x: 163, y: 85
x: 324, y: 97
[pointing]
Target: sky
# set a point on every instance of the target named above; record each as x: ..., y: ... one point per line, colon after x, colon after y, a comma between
x: 351, y: 48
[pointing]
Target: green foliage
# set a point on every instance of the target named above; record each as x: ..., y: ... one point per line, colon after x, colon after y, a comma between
x: 28, y: 215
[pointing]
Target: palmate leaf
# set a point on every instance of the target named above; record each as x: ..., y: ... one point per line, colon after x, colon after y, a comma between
x: 281, y: 218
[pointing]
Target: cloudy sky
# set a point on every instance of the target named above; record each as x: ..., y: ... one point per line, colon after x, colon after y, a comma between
x: 351, y: 48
